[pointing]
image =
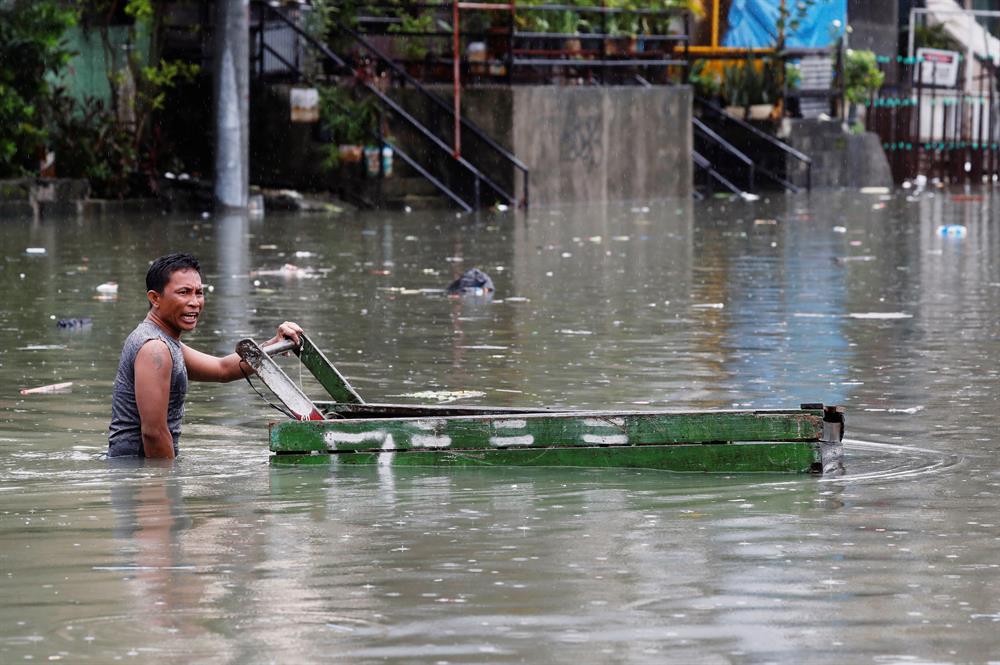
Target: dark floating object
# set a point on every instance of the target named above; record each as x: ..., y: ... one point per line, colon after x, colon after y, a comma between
x: 473, y: 282
x: 348, y: 430
x: 75, y: 323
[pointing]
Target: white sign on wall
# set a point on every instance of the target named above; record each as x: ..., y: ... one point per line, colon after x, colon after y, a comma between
x: 305, y: 105
x: 937, y: 67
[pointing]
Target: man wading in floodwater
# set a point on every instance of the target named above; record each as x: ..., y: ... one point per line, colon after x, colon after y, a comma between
x: 148, y: 400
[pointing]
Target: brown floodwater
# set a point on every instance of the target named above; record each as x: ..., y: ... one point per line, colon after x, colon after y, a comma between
x: 832, y: 297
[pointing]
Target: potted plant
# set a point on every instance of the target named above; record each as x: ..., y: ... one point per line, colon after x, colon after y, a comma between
x: 862, y: 78
x: 348, y: 121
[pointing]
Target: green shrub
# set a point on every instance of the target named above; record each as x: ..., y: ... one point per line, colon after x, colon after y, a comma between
x: 862, y: 76
x: 31, y: 49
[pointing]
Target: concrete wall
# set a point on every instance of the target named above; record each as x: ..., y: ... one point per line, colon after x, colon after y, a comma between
x: 604, y: 144
x: 839, y: 158
x: 580, y: 143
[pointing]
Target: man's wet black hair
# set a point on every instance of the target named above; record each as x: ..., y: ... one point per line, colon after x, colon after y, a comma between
x: 162, y: 268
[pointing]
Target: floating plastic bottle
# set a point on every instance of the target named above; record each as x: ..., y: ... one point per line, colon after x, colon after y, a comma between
x: 952, y: 231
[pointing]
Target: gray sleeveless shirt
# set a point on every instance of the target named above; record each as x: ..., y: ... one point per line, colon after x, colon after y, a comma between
x: 125, y: 431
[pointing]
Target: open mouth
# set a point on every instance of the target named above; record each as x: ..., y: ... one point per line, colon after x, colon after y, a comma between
x: 190, y: 317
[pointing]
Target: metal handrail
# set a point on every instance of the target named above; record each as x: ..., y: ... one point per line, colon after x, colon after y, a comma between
x: 728, y: 147
x: 668, y: 11
x: 703, y: 163
x: 387, y: 101
x: 476, y: 131
x: 767, y: 138
x: 429, y: 176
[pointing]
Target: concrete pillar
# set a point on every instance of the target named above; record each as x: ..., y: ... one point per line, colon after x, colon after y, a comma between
x: 232, y: 103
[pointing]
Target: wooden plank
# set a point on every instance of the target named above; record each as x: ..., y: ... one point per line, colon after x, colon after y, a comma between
x: 328, y: 376
x: 540, y: 430
x: 802, y: 457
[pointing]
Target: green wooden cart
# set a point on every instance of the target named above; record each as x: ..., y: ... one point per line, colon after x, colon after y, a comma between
x: 348, y: 430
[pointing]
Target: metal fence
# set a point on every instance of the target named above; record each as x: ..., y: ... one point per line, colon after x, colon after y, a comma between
x: 951, y: 132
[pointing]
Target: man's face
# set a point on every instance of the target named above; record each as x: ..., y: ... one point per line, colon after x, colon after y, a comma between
x: 181, y: 302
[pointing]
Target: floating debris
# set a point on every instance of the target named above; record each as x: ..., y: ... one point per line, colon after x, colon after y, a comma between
x: 840, y: 229
x: 765, y: 222
x: 51, y: 388
x: 83, y: 322
x: 443, y: 396
x: 35, y: 251
x: 287, y: 270
x: 575, y: 332
x: 708, y: 305
x: 888, y: 316
x: 875, y: 190
x: 472, y: 282
x: 108, y: 288
x: 952, y: 231
x: 860, y: 258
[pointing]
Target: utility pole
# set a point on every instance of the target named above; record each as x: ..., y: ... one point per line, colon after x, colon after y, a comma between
x: 232, y: 103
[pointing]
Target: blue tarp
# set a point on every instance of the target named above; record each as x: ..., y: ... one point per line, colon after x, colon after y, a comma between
x: 752, y: 23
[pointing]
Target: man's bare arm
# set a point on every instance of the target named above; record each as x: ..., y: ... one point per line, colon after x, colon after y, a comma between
x: 153, y: 365
x: 203, y: 367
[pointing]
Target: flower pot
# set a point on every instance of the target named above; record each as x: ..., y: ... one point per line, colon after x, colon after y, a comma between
x: 350, y: 154
x: 755, y: 112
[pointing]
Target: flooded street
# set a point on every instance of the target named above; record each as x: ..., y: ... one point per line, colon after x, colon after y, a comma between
x: 839, y: 298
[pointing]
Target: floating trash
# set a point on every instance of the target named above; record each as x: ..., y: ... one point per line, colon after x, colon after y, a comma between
x: 51, y: 388
x: 708, y: 305
x: 287, y: 270
x: 888, y: 316
x: 860, y: 258
x: 875, y: 190
x: 75, y: 323
x: 35, y: 251
x: 443, y: 395
x: 840, y: 229
x: 952, y: 231
x: 108, y: 288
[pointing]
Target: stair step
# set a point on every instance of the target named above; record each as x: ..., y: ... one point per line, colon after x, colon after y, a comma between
x: 395, y: 187
x: 419, y: 202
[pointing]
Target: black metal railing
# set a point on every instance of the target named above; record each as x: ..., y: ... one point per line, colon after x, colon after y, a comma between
x: 710, y: 140
x: 702, y: 162
x: 946, y: 129
x: 758, y: 142
x: 337, y: 65
x: 591, y: 50
x: 469, y: 129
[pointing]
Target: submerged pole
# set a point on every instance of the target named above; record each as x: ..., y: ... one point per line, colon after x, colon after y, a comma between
x: 232, y: 102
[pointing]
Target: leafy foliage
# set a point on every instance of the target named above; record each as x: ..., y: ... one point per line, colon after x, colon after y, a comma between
x: 935, y: 36
x: 31, y: 48
x: 862, y: 76
x: 348, y: 118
